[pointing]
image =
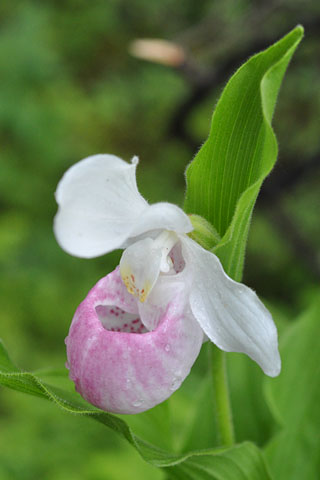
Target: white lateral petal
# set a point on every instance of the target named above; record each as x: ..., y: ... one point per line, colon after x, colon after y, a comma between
x: 99, y: 204
x: 230, y: 314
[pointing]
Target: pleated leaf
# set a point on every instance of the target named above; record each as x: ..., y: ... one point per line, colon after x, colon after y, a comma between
x: 244, y: 458
x: 294, y: 398
x: 225, y: 177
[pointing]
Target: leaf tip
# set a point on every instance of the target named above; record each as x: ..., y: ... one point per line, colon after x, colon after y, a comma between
x: 299, y: 31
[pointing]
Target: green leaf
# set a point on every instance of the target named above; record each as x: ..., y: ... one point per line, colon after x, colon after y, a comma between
x: 203, y: 232
x: 294, y: 398
x: 70, y: 402
x: 154, y: 425
x: 252, y: 418
x: 243, y: 461
x: 202, y: 432
x: 225, y: 177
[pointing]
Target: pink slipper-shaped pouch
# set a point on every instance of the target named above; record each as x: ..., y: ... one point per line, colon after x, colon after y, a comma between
x: 115, y: 362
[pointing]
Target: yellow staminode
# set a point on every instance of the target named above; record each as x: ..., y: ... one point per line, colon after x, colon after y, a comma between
x: 129, y: 281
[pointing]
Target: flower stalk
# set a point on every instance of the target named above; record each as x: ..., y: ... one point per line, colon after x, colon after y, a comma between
x: 222, y: 404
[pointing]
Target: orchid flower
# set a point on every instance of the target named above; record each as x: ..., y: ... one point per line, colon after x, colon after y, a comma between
x: 135, y: 337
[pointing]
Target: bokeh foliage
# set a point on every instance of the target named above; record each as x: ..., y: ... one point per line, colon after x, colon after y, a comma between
x: 68, y: 89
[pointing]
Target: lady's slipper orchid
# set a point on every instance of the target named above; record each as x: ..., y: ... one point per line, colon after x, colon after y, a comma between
x: 136, y: 335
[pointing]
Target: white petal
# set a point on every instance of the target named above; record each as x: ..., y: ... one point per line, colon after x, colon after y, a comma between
x: 163, y: 216
x: 100, y: 208
x: 230, y: 313
x: 99, y: 204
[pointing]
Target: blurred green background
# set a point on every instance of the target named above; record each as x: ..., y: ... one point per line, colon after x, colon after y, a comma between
x: 69, y: 88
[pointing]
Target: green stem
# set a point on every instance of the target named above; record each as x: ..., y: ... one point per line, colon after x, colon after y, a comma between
x: 221, y: 395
